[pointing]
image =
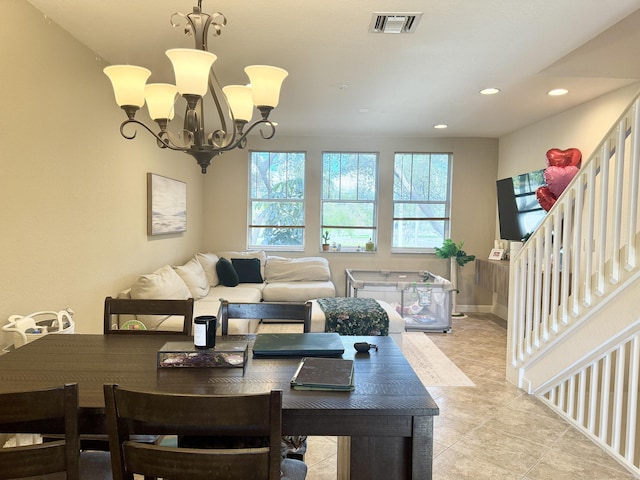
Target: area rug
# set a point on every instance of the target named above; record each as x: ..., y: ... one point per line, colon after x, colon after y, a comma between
x: 431, y: 365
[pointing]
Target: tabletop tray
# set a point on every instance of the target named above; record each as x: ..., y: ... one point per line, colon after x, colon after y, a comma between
x: 226, y: 354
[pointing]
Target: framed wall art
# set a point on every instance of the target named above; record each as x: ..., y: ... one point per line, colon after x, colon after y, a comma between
x: 166, y: 205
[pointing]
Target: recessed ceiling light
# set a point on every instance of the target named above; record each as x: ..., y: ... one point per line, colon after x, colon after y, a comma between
x: 556, y: 92
x: 489, y: 91
x: 440, y: 125
x: 363, y: 110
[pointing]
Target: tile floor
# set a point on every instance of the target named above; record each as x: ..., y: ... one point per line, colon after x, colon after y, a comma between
x: 493, y: 430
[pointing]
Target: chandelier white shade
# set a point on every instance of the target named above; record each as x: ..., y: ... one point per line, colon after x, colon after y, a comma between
x: 265, y: 84
x: 160, y: 98
x: 196, y: 83
x: 191, y: 68
x: 240, y: 100
x: 128, y: 84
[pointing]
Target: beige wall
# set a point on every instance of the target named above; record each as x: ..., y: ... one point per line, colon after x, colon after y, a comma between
x: 72, y: 190
x: 473, y: 205
x: 582, y: 127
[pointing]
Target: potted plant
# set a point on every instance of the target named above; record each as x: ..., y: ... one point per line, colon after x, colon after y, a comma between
x: 458, y: 257
x: 325, y: 241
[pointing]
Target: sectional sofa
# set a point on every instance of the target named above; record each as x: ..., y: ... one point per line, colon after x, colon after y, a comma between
x: 251, y: 276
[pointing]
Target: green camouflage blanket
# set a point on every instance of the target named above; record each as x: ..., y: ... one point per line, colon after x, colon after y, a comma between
x: 354, y: 316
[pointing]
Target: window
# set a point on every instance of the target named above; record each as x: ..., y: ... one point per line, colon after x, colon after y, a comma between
x: 421, y: 200
x: 276, y: 200
x: 349, y: 196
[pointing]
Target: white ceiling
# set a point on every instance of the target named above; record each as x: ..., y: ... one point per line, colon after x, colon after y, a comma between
x: 408, y: 83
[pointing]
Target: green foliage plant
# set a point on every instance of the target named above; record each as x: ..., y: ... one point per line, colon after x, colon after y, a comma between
x: 450, y: 249
x: 325, y: 237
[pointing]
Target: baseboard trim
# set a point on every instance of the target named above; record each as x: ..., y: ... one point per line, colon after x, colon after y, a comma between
x: 476, y: 308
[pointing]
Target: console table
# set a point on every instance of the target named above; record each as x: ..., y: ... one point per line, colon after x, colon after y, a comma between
x: 493, y: 275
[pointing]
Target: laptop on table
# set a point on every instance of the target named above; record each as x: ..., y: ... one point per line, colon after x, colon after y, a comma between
x: 298, y: 345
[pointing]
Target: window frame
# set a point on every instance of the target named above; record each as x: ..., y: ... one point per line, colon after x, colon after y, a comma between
x: 250, y: 202
x: 375, y: 202
x: 447, y: 203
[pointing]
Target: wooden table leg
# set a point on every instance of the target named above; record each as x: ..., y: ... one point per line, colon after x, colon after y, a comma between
x: 344, y: 458
x: 410, y: 458
x: 422, y: 448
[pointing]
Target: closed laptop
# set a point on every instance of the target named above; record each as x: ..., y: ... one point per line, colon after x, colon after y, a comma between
x: 298, y: 345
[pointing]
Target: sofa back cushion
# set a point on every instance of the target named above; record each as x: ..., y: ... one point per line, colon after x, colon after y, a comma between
x: 208, y: 262
x: 193, y: 276
x: 303, y: 269
x: 164, y: 283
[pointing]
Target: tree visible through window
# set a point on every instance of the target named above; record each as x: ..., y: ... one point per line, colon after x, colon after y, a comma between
x: 421, y: 200
x: 349, y: 198
x: 276, y: 200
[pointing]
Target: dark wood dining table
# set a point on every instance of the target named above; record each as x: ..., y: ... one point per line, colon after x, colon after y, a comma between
x: 388, y: 416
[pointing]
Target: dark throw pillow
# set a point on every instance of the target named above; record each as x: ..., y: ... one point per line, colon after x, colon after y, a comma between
x: 226, y: 273
x: 248, y: 269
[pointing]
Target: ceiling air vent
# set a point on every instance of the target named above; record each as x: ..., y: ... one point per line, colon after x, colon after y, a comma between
x: 394, y: 22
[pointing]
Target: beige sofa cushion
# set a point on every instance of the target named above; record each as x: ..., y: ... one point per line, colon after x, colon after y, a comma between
x: 304, y: 269
x: 193, y: 276
x: 210, y: 305
x: 244, y: 292
x: 164, y: 283
x: 209, y: 262
x: 297, y: 291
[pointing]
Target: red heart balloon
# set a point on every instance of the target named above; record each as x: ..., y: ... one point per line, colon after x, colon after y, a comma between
x: 558, y: 178
x: 546, y: 199
x: 564, y: 158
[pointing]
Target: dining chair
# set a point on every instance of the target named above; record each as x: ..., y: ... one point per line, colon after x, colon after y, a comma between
x: 46, y: 411
x: 127, y: 306
x: 253, y: 422
x: 293, y: 446
x: 265, y: 311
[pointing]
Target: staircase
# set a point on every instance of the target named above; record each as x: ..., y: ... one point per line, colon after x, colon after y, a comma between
x: 574, y: 299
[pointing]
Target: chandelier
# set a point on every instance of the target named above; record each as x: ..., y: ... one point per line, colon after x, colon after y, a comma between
x: 195, y: 78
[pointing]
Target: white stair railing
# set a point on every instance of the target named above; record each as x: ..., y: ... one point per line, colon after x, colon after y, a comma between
x: 601, y: 399
x: 581, y: 257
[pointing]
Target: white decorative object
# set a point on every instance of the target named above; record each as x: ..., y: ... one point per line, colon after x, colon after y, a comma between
x: 496, y: 254
x: 27, y: 328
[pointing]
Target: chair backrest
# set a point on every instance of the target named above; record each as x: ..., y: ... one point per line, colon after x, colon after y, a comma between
x: 257, y: 416
x: 41, y: 411
x: 124, y: 306
x: 265, y: 310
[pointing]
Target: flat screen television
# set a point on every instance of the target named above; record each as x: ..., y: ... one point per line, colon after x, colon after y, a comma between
x: 518, y: 209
